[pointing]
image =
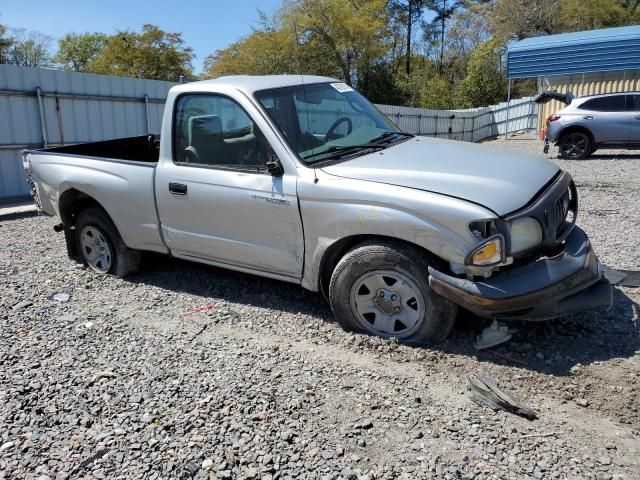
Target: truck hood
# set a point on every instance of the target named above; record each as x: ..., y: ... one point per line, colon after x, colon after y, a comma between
x: 498, y: 178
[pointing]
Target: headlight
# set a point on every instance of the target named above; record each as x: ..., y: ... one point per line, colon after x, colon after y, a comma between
x: 488, y: 253
x: 525, y: 233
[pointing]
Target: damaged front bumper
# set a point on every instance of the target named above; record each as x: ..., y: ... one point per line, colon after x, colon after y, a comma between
x: 568, y: 283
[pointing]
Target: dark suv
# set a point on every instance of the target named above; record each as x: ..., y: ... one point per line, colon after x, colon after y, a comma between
x: 599, y: 121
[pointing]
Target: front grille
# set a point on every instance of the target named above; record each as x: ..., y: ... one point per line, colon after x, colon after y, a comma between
x: 561, y: 210
x: 555, y: 209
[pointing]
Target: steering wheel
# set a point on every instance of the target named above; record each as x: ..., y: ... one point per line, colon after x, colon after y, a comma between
x: 331, y: 133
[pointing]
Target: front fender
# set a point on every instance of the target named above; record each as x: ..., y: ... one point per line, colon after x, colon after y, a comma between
x: 337, y: 208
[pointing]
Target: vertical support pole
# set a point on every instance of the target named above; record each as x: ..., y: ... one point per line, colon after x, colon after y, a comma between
x: 435, y: 134
x: 506, y: 126
x: 464, y: 126
x: 146, y: 112
x: 419, y: 123
x: 398, y: 120
x: 473, y: 128
x: 59, y: 117
x: 43, y: 125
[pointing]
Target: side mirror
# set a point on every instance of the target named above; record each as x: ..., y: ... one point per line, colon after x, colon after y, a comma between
x: 274, y: 166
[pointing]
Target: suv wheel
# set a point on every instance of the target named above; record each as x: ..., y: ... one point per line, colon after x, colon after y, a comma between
x: 382, y: 289
x: 575, y: 146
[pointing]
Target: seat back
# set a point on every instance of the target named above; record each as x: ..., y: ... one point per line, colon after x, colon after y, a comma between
x: 206, y: 139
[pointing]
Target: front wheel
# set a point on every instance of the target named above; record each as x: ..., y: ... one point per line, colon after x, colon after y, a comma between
x: 382, y: 289
x: 575, y: 146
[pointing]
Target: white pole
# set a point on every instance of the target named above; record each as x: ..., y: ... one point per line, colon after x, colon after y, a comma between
x: 506, y: 127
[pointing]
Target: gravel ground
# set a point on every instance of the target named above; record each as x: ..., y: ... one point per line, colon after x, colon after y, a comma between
x: 186, y: 371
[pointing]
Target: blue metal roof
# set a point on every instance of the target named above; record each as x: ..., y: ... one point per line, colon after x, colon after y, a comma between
x: 606, y: 50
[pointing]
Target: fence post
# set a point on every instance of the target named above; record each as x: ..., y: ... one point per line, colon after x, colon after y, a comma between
x: 398, y: 119
x: 473, y: 128
x: 43, y: 124
x: 419, y: 123
x: 435, y: 134
x: 59, y: 117
x: 146, y: 112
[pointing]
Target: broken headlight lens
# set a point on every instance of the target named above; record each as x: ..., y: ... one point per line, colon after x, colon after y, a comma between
x: 490, y: 252
x: 524, y: 233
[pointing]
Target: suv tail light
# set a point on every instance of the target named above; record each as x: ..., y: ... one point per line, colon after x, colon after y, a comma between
x: 553, y: 118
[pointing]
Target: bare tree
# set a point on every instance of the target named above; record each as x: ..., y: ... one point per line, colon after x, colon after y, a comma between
x: 29, y: 49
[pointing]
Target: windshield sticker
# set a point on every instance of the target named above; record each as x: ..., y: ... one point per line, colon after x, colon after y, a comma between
x: 342, y: 87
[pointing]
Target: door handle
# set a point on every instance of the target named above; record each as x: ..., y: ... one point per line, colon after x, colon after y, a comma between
x: 637, y: 118
x: 178, y: 188
x: 588, y: 117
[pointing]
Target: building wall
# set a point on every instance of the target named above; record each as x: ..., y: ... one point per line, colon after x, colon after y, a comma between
x: 586, y: 84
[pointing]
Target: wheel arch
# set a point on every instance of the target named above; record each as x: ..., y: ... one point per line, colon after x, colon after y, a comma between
x: 74, y: 201
x: 575, y: 129
x: 71, y: 203
x: 336, y: 250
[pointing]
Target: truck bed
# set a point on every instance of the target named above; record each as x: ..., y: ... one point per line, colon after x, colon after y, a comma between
x: 118, y: 174
x: 144, y: 148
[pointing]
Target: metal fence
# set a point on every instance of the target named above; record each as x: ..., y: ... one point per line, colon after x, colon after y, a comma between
x: 471, y: 125
x: 41, y: 107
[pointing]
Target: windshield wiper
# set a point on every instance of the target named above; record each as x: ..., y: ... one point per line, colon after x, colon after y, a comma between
x: 344, y: 148
x: 390, y: 134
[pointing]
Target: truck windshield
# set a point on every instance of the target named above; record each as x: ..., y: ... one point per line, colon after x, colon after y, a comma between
x: 322, y: 121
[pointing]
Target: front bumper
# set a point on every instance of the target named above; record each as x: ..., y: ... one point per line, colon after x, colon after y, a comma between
x: 568, y: 283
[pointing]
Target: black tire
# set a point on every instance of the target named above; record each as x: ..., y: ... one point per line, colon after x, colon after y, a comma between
x: 378, y: 256
x: 575, y: 146
x: 124, y: 261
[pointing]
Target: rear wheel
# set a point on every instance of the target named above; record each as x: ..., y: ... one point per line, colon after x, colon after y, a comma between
x: 101, y: 246
x: 575, y: 146
x: 382, y: 289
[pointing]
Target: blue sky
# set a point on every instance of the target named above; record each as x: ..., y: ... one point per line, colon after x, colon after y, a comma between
x: 206, y: 26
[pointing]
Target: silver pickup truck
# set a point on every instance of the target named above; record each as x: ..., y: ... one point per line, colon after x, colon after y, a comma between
x: 301, y: 179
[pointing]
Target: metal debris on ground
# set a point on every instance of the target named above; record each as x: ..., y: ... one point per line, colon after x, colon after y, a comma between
x: 624, y: 278
x: 493, y: 335
x: 486, y: 392
x: 604, y: 212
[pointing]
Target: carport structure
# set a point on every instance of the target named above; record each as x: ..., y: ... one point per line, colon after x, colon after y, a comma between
x: 586, y: 63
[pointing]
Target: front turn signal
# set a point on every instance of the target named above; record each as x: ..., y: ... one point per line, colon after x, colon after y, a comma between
x: 488, y: 253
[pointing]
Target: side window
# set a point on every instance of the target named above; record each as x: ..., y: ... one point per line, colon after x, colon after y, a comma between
x: 213, y: 130
x: 633, y: 103
x: 613, y: 103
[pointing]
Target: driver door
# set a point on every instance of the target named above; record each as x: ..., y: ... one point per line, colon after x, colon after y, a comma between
x: 216, y: 201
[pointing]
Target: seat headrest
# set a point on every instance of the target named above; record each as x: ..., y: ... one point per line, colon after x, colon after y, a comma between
x: 203, y: 127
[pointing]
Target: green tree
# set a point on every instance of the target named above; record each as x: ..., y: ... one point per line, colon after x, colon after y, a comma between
x: 269, y: 50
x: 29, y: 49
x: 346, y: 39
x: 484, y: 84
x: 576, y: 15
x: 77, y: 51
x: 518, y: 19
x: 347, y: 35
x: 152, y: 53
x: 409, y: 14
